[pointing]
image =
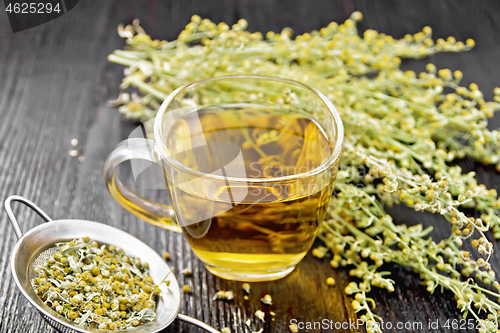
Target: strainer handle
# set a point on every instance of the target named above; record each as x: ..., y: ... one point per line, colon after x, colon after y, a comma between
x: 12, y: 217
x: 197, y: 322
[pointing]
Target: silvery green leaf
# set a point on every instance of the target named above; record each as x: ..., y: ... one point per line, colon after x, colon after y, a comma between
x: 146, y: 314
x: 84, y: 318
x: 75, y: 266
x: 133, y: 269
x: 89, y: 298
x: 55, y: 282
x: 68, y: 249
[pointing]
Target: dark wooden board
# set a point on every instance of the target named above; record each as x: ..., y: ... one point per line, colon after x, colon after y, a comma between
x: 55, y: 77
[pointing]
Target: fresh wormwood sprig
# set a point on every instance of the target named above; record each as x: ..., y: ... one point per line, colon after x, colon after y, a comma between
x: 403, y: 127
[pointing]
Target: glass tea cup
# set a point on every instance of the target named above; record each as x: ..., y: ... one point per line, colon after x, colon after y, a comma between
x: 249, y: 164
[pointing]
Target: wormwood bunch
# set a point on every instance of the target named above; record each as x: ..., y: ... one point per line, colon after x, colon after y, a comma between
x: 405, y: 128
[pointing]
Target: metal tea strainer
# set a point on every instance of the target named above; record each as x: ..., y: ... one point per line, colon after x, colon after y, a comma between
x: 35, y: 246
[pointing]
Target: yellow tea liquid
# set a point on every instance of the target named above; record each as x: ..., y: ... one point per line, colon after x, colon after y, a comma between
x: 270, y: 228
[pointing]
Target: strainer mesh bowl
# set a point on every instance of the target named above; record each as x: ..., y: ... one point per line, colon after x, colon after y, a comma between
x: 40, y: 261
x: 37, y: 245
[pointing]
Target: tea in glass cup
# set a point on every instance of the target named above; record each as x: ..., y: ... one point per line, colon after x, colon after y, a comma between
x: 249, y: 164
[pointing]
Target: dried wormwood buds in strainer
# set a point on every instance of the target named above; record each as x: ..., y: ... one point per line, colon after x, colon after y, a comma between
x: 97, y: 286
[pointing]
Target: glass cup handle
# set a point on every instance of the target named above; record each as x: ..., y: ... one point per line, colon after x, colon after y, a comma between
x: 150, y: 211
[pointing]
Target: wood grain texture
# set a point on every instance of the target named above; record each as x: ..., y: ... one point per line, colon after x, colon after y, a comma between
x: 55, y: 77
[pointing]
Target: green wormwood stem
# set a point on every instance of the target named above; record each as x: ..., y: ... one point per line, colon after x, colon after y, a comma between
x: 403, y: 128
